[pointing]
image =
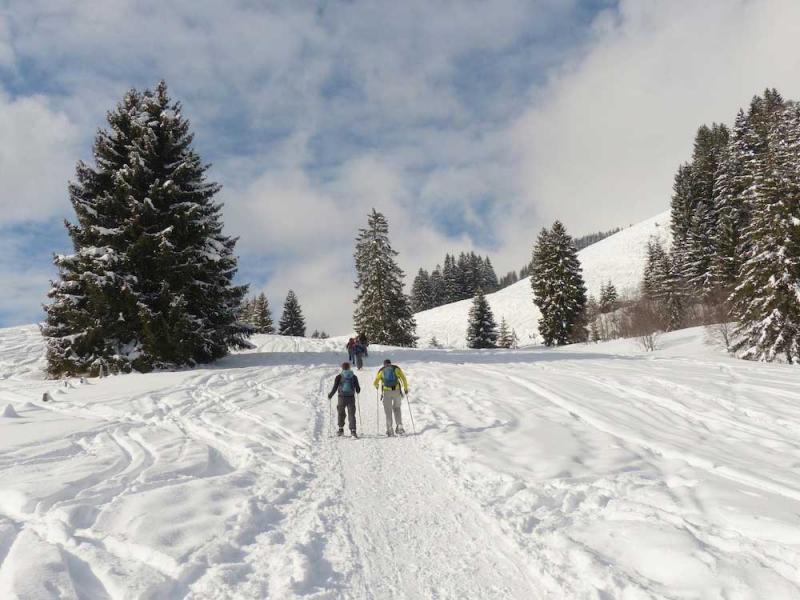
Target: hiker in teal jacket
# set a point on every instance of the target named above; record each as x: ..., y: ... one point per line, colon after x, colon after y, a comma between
x: 346, y: 383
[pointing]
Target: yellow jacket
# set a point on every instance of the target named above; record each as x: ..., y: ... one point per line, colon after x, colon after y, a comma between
x: 401, y: 377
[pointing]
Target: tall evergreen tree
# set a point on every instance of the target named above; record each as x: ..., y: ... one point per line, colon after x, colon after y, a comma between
x: 608, y: 298
x: 150, y: 281
x: 767, y: 299
x: 421, y: 294
x: 504, y: 339
x: 558, y: 287
x: 489, y: 280
x: 292, y: 320
x: 662, y: 285
x: 436, y: 286
x: 247, y: 312
x: 735, y: 178
x: 481, y: 329
x: 262, y: 316
x: 710, y: 152
x: 383, y: 312
x: 451, y: 280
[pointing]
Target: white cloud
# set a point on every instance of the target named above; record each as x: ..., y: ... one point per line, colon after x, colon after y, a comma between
x: 604, y: 136
x: 37, y: 156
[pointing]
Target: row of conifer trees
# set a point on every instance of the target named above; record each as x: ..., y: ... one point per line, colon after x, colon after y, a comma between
x: 150, y: 281
x: 735, y: 223
x: 256, y: 313
x: 459, y: 279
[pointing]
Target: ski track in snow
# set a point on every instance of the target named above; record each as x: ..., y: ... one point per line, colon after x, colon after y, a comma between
x: 590, y: 472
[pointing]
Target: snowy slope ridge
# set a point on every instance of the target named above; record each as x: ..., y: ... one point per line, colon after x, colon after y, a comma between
x: 583, y: 472
x: 619, y: 258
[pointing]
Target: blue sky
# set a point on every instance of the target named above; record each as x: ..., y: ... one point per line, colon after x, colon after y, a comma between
x: 470, y: 124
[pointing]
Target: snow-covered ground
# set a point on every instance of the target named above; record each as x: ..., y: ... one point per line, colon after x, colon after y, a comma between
x: 589, y: 472
x: 619, y: 258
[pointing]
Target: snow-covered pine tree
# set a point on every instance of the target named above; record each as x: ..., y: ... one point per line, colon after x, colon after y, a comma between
x: 150, y: 282
x: 434, y: 343
x: 262, y: 315
x: 608, y: 298
x: 663, y: 286
x: 681, y: 212
x: 489, y: 280
x: 504, y: 339
x: 292, y: 321
x: 654, y: 276
x: 436, y: 285
x: 465, y: 277
x: 421, y: 292
x: 709, y: 153
x: 476, y: 274
x: 247, y: 311
x: 383, y: 312
x: 734, y: 178
x: 92, y: 320
x: 183, y: 263
x: 481, y: 329
x: 767, y: 299
x: 558, y: 287
x: 451, y: 281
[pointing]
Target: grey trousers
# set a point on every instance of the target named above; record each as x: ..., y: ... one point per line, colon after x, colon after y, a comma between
x: 393, y: 403
x: 347, y: 403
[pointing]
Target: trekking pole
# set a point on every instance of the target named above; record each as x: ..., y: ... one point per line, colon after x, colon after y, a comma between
x: 377, y: 413
x: 358, y: 406
x: 330, y: 418
x: 410, y: 414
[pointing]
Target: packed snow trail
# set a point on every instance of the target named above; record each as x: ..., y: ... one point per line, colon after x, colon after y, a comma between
x: 589, y: 472
x: 417, y: 535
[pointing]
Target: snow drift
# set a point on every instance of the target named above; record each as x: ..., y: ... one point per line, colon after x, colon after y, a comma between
x: 582, y: 472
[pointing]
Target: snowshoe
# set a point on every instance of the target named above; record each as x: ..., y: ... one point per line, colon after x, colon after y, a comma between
x: 340, y: 433
x: 400, y: 431
x: 354, y: 435
x: 389, y: 433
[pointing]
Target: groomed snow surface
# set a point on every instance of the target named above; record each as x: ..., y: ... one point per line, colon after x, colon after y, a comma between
x: 593, y: 472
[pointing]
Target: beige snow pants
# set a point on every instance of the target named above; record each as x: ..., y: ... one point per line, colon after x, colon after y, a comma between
x: 393, y: 403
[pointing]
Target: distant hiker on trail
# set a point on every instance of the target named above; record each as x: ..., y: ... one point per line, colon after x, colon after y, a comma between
x: 346, y: 383
x: 360, y: 351
x: 363, y: 339
x: 351, y: 344
x: 390, y: 378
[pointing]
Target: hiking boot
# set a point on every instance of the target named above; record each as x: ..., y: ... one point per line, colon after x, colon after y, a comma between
x: 353, y: 433
x: 340, y: 432
x: 400, y: 430
x: 389, y: 433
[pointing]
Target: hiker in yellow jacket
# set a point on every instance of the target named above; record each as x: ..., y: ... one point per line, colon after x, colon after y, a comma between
x: 393, y: 384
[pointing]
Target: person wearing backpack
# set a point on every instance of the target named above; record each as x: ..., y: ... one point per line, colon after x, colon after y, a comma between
x: 393, y: 384
x: 359, y: 351
x: 351, y: 344
x: 346, y: 383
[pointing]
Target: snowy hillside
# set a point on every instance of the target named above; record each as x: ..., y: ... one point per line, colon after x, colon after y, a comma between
x: 587, y: 472
x: 619, y: 258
